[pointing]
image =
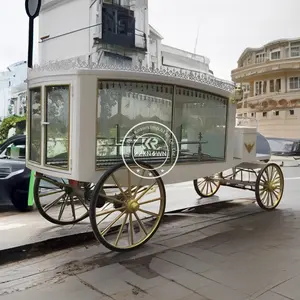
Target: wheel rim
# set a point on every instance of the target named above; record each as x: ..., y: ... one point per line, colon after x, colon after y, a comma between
x: 131, y: 213
x: 208, y: 186
x: 271, y: 186
x: 59, y: 202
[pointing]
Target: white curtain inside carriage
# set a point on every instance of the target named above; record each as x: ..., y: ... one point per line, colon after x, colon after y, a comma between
x: 197, y: 116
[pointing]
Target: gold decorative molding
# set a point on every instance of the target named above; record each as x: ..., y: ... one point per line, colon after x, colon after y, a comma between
x: 249, y: 147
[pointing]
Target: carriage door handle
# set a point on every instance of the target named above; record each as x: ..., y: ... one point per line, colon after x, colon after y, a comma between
x: 45, y: 123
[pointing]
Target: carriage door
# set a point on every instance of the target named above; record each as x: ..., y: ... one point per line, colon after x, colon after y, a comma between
x: 57, y: 126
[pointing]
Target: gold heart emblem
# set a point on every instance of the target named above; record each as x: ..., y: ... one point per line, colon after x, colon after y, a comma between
x: 249, y: 147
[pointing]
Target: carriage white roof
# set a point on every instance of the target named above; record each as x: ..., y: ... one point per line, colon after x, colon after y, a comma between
x: 78, y: 66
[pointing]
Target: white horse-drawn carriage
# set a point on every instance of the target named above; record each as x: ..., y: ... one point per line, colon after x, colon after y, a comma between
x: 103, y: 142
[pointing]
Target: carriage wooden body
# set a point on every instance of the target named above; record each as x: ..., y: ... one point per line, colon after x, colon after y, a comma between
x: 78, y: 116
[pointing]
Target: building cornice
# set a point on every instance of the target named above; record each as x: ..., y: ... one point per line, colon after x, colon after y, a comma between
x: 49, y: 4
x: 288, y: 64
x: 269, y: 44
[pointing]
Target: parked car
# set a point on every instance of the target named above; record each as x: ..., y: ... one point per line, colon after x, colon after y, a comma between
x: 14, y: 176
x: 263, y: 146
x: 284, y: 146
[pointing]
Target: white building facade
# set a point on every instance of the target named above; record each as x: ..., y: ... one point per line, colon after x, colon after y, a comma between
x: 13, y: 90
x: 108, y: 32
x: 105, y: 30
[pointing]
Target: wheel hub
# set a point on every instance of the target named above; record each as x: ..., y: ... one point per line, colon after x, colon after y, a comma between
x: 270, y: 187
x: 132, y: 206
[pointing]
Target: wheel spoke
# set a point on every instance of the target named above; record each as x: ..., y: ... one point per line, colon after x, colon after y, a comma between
x: 145, y: 192
x: 148, y: 212
x: 109, y: 211
x: 150, y: 201
x: 50, y: 205
x: 121, y: 230
x: 82, y: 202
x: 131, y: 229
x: 112, y: 223
x: 205, y: 183
x: 111, y: 199
x: 118, y: 185
x: 201, y: 182
x: 109, y: 214
x: 73, y: 207
x: 140, y: 223
x: 62, y: 208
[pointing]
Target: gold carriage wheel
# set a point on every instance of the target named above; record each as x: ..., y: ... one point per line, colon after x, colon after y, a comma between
x: 127, y: 227
x: 58, y: 202
x: 207, y: 186
x: 269, y: 186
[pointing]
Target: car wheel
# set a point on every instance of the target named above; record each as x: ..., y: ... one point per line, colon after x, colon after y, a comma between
x: 19, y: 199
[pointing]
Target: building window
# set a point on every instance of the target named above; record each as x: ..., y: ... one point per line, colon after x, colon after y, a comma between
x: 260, y: 87
x: 272, y: 86
x: 294, y: 83
x: 264, y: 114
x: 260, y: 57
x: 277, y: 113
x: 252, y: 114
x: 278, y: 85
x: 265, y: 87
x: 295, y: 50
x: 292, y: 112
x: 287, y: 52
x: 275, y: 54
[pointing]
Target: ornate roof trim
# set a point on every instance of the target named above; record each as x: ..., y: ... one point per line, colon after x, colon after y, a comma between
x: 84, y: 64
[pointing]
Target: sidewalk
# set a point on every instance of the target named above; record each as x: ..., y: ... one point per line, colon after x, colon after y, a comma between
x: 237, y: 257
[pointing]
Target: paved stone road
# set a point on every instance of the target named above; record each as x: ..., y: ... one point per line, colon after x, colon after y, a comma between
x: 250, y: 257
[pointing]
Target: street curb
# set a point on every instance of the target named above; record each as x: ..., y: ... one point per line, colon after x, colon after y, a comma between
x: 35, y: 249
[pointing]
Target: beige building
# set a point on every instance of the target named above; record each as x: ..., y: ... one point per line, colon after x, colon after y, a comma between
x: 270, y: 77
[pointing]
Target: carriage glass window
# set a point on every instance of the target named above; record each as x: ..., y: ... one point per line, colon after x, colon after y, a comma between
x: 200, y: 125
x: 122, y: 105
x: 35, y: 110
x: 57, y: 126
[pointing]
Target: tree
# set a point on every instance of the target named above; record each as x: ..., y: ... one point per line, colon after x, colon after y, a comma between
x: 8, y: 123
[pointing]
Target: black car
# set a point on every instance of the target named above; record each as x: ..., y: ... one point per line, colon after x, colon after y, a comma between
x: 14, y: 176
x: 284, y: 146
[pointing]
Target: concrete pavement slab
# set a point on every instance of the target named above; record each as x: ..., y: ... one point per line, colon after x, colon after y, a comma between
x: 70, y: 288
x: 289, y: 289
x: 195, y: 270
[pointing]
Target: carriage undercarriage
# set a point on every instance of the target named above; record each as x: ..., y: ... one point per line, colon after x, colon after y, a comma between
x: 266, y: 180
